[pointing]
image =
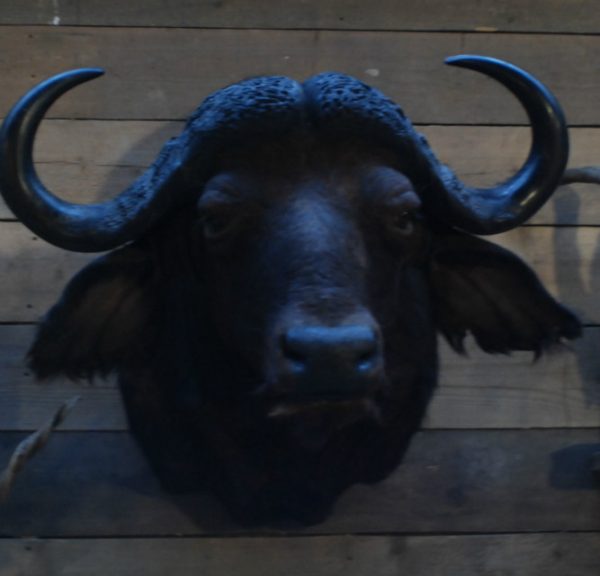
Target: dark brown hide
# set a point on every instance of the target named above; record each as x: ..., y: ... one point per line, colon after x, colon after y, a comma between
x: 192, y: 318
x: 278, y: 277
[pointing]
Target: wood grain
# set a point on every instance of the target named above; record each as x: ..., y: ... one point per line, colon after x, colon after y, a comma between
x: 27, y: 404
x: 88, y: 161
x: 33, y: 273
x: 477, y: 392
x: 522, y: 554
x: 566, y: 259
x: 98, y: 484
x: 529, y: 493
x: 167, y: 72
x: 579, y: 16
x: 559, y: 390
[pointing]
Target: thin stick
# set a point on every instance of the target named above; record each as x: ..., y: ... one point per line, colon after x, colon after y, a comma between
x: 587, y: 174
x: 29, y: 447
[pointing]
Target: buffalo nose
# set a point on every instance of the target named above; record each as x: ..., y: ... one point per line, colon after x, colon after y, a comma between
x: 331, y: 361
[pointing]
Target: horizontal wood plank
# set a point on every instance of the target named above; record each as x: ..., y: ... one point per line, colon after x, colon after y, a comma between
x: 98, y: 484
x: 566, y: 259
x: 480, y: 391
x: 27, y: 404
x: 33, y: 273
x: 559, y: 390
x: 88, y: 161
x: 578, y: 16
x: 519, y: 554
x: 90, y: 495
x: 168, y: 72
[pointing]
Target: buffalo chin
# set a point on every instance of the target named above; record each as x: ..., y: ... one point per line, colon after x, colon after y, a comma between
x: 313, y: 422
x: 309, y: 229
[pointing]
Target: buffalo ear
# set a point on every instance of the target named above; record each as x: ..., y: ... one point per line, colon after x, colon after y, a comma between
x: 99, y: 319
x: 483, y: 289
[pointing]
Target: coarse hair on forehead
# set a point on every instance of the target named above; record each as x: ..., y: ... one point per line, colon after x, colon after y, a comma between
x: 334, y: 105
x: 303, y: 148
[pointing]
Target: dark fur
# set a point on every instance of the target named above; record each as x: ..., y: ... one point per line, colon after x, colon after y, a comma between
x: 189, y: 325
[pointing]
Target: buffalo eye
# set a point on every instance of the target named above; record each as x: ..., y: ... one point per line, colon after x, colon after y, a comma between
x: 402, y: 223
x: 218, y: 209
x: 397, y: 205
x: 216, y: 224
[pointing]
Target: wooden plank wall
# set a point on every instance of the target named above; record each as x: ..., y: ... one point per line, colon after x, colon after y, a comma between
x: 499, y: 481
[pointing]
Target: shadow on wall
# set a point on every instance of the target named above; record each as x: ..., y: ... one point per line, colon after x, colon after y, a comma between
x: 576, y: 284
x: 96, y: 163
x: 140, y: 144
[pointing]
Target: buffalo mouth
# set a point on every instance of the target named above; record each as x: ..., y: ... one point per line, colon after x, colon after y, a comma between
x: 339, y: 411
x: 314, y: 422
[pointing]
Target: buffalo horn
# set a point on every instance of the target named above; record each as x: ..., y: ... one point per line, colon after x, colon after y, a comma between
x: 505, y: 206
x: 77, y: 227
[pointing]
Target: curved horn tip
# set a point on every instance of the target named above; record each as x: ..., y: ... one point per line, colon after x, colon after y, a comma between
x: 519, y: 197
x: 89, y: 72
x: 52, y: 88
x: 466, y: 59
x: 478, y: 63
x: 504, y: 72
x: 95, y: 71
x: 76, y: 76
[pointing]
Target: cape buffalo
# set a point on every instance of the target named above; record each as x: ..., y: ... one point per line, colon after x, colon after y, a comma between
x: 276, y: 279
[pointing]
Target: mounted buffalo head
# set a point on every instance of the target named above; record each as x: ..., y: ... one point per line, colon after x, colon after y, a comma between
x: 277, y: 278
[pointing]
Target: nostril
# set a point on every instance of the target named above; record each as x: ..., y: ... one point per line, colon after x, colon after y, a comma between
x: 329, y: 360
x: 294, y: 351
x: 367, y: 360
x: 292, y: 346
x: 357, y: 347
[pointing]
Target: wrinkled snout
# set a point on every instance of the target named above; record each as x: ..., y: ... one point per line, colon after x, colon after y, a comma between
x: 328, y: 362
